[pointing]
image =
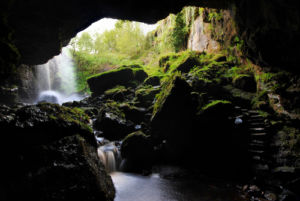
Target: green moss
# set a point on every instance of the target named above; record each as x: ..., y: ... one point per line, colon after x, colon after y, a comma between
x: 114, y: 107
x: 146, y: 93
x: 260, y: 99
x: 117, y: 89
x: 165, y: 91
x: 214, y: 103
x: 107, y: 72
x: 263, y: 113
x: 215, y: 16
x: 65, y: 114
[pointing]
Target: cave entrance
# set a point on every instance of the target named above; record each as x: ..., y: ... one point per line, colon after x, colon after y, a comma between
x: 168, y: 97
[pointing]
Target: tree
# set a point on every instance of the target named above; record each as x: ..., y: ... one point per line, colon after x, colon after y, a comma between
x: 85, y: 43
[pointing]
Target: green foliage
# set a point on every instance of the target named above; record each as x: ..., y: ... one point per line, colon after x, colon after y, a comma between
x: 215, y: 16
x: 165, y: 91
x: 114, y: 90
x: 120, y: 46
x: 214, y: 103
x: 180, y: 33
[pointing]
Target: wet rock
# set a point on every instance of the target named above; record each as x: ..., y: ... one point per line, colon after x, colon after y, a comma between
x: 246, y: 83
x: 135, y: 114
x: 172, y: 117
x: 8, y: 95
x: 52, y: 120
x: 26, y: 81
x: 270, y: 196
x: 137, y: 151
x: 140, y: 75
x: 68, y: 169
x: 113, y: 125
x: 146, y: 94
x: 187, y: 64
x: 118, y: 93
x: 52, y: 156
x: 153, y: 80
x: 109, y: 79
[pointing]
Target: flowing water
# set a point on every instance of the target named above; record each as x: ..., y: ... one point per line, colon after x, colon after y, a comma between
x: 163, y: 185
x: 109, y: 155
x: 133, y: 187
x: 56, y: 81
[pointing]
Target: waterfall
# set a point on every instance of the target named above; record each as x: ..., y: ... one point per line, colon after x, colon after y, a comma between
x: 56, y: 81
x: 109, y: 156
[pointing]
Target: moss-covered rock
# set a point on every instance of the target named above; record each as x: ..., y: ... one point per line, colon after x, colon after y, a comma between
x: 43, y: 123
x: 146, y: 94
x: 245, y: 82
x: 153, y: 80
x: 50, y: 154
x: 173, y: 116
x: 118, y: 93
x: 112, y: 122
x: 133, y: 113
x: 125, y: 75
x: 137, y: 151
x: 139, y: 74
x: 109, y: 79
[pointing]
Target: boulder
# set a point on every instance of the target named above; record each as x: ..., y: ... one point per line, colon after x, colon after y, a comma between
x: 49, y: 153
x: 125, y: 75
x: 245, y: 82
x: 137, y: 151
x: 118, y: 93
x: 113, y: 124
x: 134, y: 114
x: 153, y: 80
x: 173, y: 115
x: 216, y: 142
x: 109, y: 79
x: 146, y: 95
x: 139, y: 74
x: 187, y: 64
x: 8, y: 95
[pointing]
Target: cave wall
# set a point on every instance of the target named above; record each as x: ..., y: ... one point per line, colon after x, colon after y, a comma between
x: 270, y: 31
x: 39, y: 30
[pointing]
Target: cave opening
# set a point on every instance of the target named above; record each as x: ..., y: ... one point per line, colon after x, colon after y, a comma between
x: 199, y: 106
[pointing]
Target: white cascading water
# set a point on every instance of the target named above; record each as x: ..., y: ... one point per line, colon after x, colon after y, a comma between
x: 56, y: 81
x: 109, y: 156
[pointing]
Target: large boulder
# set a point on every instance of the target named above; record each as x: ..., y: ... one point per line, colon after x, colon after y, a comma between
x: 216, y: 140
x: 109, y: 79
x: 173, y: 116
x: 245, y: 82
x: 145, y: 95
x: 187, y: 64
x: 121, y: 76
x: 112, y: 122
x: 153, y: 80
x: 137, y: 150
x: 49, y: 153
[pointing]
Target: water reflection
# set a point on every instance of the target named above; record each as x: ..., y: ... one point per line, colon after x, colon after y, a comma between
x: 133, y: 187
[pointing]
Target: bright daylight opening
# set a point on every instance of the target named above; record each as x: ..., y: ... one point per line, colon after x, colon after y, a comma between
x: 97, y: 48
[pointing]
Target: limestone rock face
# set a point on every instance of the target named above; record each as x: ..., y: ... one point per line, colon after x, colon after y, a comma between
x: 200, y: 38
x: 49, y: 153
x: 26, y: 79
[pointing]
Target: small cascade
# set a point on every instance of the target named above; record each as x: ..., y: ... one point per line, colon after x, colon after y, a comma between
x: 56, y: 80
x: 109, y: 155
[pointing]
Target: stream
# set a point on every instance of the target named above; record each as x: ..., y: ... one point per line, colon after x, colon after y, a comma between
x: 134, y: 187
